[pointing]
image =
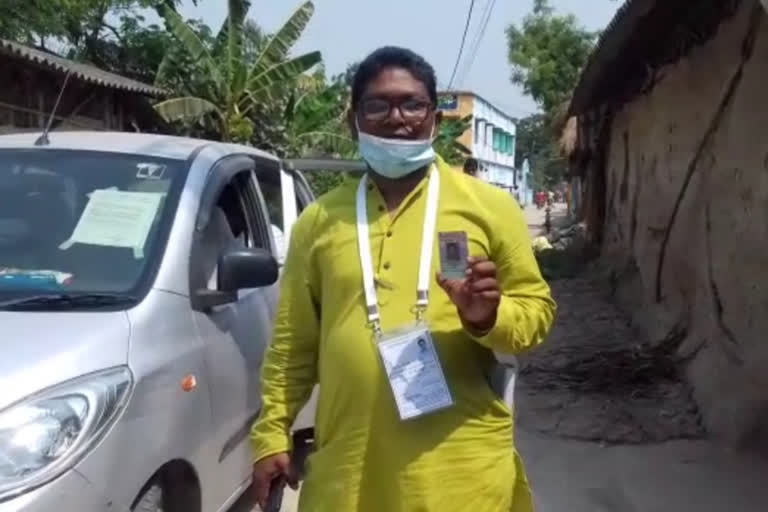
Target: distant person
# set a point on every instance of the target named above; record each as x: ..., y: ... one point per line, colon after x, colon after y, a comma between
x: 471, y: 166
x: 441, y: 442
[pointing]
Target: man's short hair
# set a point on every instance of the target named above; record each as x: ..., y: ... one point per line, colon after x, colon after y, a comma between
x: 471, y: 165
x: 393, y: 57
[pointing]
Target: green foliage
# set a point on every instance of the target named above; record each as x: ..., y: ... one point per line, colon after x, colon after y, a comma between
x: 446, y: 143
x: 321, y: 182
x: 536, y: 142
x: 547, y: 53
x: 316, y: 124
x: 239, y: 72
x: 111, y: 34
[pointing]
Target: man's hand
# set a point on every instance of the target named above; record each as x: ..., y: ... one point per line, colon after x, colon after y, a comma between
x: 268, y: 469
x: 476, y: 297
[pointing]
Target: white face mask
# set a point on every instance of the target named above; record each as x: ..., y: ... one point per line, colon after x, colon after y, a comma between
x: 395, y: 158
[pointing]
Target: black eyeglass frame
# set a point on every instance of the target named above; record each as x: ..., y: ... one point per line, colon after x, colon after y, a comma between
x: 428, y: 107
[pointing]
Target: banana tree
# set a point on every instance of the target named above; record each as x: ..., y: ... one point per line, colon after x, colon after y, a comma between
x: 235, y: 75
x: 315, y: 118
x: 447, y: 143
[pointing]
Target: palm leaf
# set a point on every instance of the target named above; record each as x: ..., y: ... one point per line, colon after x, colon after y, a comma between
x: 187, y: 108
x: 236, y: 12
x: 281, y: 43
x: 192, y: 44
x: 163, y: 69
x: 232, y: 32
x: 281, y: 72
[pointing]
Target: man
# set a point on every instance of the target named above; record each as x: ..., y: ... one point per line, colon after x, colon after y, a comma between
x: 378, y: 450
x: 471, y: 166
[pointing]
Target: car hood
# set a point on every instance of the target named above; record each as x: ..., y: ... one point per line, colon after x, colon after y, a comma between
x: 42, y: 349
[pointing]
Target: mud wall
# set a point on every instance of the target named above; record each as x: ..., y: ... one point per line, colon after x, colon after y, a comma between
x: 686, y: 229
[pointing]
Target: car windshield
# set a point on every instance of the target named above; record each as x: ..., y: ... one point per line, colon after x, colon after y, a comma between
x: 81, y: 222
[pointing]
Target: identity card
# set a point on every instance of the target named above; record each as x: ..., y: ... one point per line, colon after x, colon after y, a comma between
x: 414, y: 372
x: 454, y: 253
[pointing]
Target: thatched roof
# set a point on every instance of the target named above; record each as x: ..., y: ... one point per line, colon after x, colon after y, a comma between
x: 644, y: 36
x: 569, y: 137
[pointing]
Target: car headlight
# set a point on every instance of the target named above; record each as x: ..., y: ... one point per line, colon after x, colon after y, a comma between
x: 46, y: 434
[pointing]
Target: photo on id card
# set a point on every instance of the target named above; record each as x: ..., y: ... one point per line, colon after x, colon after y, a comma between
x: 454, y: 252
x: 414, y: 372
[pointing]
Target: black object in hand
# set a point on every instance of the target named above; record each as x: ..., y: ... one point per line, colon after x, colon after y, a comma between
x: 275, y: 498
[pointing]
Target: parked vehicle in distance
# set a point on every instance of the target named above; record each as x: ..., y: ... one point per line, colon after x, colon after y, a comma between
x: 137, y: 291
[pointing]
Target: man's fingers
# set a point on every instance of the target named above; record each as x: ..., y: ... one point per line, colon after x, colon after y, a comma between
x: 481, y: 269
x: 262, y: 490
x: 477, y: 259
x: 449, y: 285
x: 490, y: 295
x: 266, y: 471
x: 484, y: 284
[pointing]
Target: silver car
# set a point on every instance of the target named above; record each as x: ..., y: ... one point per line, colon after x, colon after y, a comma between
x: 137, y: 290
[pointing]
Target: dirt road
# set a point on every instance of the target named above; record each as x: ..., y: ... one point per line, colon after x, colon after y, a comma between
x: 577, y: 476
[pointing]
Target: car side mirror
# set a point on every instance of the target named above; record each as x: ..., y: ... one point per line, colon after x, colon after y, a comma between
x: 246, y: 268
x: 237, y: 269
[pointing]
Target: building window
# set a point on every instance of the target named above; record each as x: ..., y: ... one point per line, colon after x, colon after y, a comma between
x: 478, y: 127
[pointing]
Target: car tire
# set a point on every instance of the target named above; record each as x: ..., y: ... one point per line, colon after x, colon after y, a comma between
x: 151, y: 500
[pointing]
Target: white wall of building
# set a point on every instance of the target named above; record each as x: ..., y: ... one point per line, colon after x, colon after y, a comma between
x: 499, y: 165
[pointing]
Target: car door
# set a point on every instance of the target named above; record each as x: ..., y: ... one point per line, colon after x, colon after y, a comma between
x: 232, y: 216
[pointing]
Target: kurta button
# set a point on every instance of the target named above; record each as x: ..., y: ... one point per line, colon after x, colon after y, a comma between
x: 387, y: 265
x: 389, y: 234
x: 381, y: 208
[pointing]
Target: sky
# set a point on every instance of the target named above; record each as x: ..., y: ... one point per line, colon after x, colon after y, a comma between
x: 345, y: 31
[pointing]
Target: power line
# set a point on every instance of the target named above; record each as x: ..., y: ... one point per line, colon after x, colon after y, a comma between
x: 463, y: 40
x: 475, y: 46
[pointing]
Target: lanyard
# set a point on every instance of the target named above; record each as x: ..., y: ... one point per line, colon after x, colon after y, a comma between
x: 425, y: 260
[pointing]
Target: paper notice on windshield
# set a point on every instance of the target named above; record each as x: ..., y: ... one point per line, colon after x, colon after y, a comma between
x: 115, y: 218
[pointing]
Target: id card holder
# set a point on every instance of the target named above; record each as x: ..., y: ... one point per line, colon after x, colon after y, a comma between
x: 414, y: 371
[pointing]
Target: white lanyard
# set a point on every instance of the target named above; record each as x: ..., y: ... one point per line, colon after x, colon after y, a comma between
x: 425, y: 261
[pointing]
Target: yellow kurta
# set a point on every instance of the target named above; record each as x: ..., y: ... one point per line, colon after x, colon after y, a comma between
x: 367, y: 460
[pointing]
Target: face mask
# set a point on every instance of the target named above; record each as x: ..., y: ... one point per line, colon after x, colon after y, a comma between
x: 395, y: 158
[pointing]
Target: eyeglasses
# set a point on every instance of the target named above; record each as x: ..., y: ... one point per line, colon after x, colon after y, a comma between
x: 411, y: 110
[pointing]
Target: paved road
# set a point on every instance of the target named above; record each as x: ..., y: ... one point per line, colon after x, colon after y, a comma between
x: 535, y: 218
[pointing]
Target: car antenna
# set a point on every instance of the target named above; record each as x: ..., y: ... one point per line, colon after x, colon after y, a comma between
x: 43, y: 139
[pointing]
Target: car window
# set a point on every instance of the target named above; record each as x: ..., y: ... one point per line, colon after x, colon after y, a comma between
x: 234, y: 223
x: 273, y: 198
x: 80, y: 221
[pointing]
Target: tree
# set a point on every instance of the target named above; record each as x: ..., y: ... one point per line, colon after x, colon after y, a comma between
x: 547, y: 53
x: 447, y: 143
x: 236, y: 79
x: 78, y: 27
x: 317, y: 124
x: 110, y: 34
x: 537, y: 143
x: 316, y: 118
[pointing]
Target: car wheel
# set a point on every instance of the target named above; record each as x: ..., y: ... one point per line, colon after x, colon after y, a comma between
x: 151, y: 500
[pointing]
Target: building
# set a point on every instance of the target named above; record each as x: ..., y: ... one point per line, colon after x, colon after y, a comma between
x: 525, y: 184
x: 30, y: 82
x: 491, y: 137
x: 670, y: 154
